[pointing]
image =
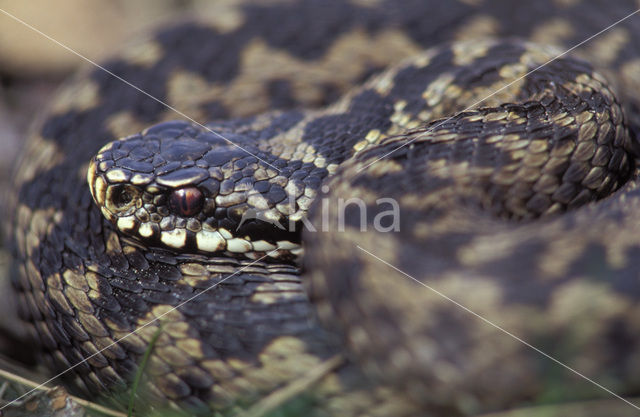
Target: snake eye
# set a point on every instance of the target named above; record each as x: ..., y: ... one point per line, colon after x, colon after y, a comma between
x: 186, y: 201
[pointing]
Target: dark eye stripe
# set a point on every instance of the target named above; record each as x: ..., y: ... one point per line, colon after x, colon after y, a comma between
x: 186, y: 201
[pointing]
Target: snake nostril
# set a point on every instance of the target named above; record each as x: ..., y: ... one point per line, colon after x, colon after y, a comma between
x: 122, y: 198
x: 186, y: 201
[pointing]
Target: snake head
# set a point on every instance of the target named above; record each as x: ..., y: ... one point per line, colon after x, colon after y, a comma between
x: 184, y: 188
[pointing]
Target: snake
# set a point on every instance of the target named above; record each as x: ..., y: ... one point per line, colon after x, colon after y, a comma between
x: 342, y: 207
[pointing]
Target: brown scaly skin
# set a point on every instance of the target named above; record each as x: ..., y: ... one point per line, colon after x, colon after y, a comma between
x: 564, y: 282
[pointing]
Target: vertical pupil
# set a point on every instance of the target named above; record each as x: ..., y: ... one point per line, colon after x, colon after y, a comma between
x: 186, y: 201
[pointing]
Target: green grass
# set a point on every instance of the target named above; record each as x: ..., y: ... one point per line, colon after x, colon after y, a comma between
x: 140, y: 371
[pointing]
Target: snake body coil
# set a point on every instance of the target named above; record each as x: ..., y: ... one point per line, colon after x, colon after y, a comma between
x: 511, y: 170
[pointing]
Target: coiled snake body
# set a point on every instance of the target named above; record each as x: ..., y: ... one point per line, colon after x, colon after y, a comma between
x: 494, y: 152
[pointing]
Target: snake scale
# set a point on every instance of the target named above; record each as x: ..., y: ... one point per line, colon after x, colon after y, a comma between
x: 514, y: 179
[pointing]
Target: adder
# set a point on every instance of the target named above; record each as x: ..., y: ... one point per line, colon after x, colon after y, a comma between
x: 362, y: 208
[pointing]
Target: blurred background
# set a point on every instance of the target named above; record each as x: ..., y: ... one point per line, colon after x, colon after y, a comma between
x: 32, y: 66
